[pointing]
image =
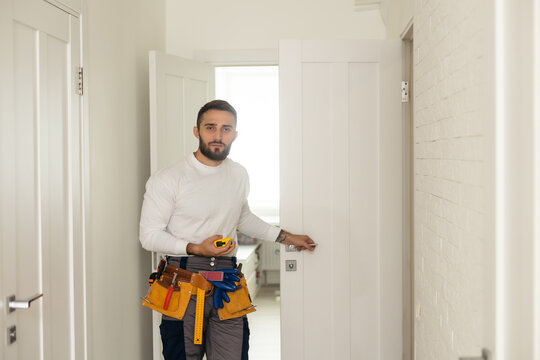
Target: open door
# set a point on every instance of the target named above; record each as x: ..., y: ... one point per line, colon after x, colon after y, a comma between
x: 341, y: 183
x: 178, y: 89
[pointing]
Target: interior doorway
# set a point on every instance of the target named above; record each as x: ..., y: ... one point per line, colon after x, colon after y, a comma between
x: 254, y: 92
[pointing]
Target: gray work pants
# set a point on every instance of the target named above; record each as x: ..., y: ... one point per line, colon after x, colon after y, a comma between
x: 222, y: 339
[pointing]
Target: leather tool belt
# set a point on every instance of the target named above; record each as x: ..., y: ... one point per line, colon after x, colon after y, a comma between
x: 185, y: 285
x: 240, y: 302
x: 182, y: 289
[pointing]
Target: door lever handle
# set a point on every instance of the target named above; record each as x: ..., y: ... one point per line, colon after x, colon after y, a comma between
x: 486, y: 355
x: 21, y: 304
x: 290, y: 248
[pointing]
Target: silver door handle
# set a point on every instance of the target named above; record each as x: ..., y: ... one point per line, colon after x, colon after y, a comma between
x: 21, y: 304
x: 486, y: 355
x: 290, y: 248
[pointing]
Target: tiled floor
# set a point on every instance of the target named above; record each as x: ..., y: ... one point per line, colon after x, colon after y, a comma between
x: 264, y: 342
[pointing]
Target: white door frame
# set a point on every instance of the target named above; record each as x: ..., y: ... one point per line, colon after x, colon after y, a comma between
x: 515, y: 105
x: 408, y: 194
x: 238, y: 57
x: 271, y: 57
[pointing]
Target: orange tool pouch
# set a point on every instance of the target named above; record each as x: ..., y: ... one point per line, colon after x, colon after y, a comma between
x: 185, y: 286
x: 239, y: 304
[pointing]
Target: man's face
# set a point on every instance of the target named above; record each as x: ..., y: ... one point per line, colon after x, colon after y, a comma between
x: 216, y: 134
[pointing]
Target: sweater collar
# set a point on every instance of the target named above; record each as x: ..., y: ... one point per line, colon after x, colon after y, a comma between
x: 199, y: 165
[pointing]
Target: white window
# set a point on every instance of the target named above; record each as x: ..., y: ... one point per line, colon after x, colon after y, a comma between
x: 253, y: 91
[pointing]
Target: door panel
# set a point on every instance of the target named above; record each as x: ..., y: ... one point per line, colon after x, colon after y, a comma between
x: 340, y: 105
x: 178, y: 89
x: 41, y: 215
x: 25, y: 188
x: 363, y: 164
x: 53, y: 178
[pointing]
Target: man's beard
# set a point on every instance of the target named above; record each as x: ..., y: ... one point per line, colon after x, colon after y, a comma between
x: 214, y: 155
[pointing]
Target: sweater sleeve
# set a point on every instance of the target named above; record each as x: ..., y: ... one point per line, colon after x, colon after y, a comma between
x: 250, y: 224
x: 157, y: 208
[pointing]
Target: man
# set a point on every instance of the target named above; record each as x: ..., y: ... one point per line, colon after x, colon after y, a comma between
x: 189, y: 205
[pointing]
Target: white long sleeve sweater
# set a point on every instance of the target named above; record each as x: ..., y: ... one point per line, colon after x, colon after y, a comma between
x: 189, y: 202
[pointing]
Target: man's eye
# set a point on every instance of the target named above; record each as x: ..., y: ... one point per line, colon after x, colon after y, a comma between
x: 209, y: 128
x: 227, y: 129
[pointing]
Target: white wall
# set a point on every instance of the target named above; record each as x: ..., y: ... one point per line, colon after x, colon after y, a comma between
x: 247, y: 24
x: 117, y: 37
x: 451, y: 226
x: 396, y: 15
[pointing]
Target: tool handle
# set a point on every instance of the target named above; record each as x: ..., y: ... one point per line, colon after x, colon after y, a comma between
x: 169, y: 293
x: 168, y: 298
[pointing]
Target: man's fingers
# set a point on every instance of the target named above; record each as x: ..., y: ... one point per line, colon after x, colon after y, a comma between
x: 226, y: 250
x: 214, y: 238
x: 306, y: 245
x: 230, y: 248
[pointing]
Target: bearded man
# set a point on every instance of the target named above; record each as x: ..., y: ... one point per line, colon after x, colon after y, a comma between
x: 187, y: 207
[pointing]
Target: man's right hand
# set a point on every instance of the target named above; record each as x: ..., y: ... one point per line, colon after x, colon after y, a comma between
x: 208, y: 249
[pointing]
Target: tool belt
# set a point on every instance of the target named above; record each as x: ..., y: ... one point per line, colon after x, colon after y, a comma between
x: 239, y: 304
x: 182, y: 289
x: 171, y: 291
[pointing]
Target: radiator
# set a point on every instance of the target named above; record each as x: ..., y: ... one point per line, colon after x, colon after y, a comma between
x: 269, y: 255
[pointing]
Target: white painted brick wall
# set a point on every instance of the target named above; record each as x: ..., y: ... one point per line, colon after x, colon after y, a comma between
x: 449, y: 164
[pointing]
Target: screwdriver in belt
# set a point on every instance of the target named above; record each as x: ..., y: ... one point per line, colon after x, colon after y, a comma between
x: 169, y: 293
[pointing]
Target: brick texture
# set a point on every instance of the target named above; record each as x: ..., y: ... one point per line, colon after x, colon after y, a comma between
x: 449, y: 165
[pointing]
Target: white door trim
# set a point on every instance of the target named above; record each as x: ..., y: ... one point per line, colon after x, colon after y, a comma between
x: 248, y: 57
x: 408, y: 195
x: 516, y: 171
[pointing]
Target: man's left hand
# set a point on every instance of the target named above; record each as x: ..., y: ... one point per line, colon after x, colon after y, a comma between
x: 301, y: 242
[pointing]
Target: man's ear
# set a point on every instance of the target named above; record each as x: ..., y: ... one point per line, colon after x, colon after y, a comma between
x: 196, y: 132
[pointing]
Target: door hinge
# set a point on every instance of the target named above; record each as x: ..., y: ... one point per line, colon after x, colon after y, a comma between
x: 404, y: 91
x: 80, y: 82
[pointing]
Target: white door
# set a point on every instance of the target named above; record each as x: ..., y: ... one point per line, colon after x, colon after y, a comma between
x: 178, y: 89
x: 41, y: 188
x: 341, y: 170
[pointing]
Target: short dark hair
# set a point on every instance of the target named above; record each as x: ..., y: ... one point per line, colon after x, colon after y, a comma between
x: 215, y: 105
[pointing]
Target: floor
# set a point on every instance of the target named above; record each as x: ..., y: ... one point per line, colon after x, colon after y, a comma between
x: 264, y: 325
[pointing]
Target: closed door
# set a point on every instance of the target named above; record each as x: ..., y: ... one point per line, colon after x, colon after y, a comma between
x: 41, y: 183
x: 341, y: 183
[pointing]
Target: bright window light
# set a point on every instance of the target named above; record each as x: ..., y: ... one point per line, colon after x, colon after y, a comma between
x: 253, y: 91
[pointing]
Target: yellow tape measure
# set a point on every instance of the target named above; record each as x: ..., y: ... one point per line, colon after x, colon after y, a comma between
x: 219, y: 243
x: 199, y: 316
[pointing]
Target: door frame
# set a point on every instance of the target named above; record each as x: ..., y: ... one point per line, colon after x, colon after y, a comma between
x: 408, y: 193
x: 515, y: 166
x: 269, y: 57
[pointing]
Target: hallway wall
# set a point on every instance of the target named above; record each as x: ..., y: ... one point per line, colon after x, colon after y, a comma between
x: 396, y: 15
x: 451, y: 129
x: 118, y: 35
x: 245, y: 24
